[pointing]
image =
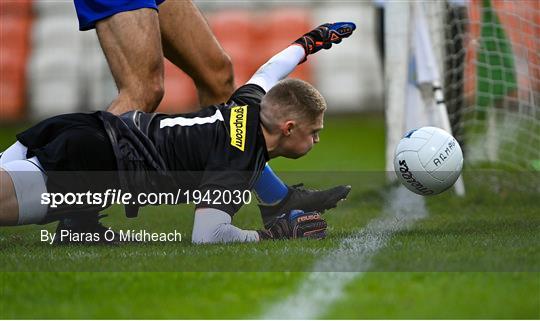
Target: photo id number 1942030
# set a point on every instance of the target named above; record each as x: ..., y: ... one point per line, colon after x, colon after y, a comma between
x: 218, y: 197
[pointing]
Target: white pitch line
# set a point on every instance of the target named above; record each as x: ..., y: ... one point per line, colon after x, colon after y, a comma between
x: 323, y: 287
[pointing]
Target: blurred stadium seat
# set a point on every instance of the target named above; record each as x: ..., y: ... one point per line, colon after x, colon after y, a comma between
x: 252, y: 37
x: 356, y: 63
x: 278, y: 29
x: 67, y: 69
x: 53, y: 66
x: 15, y: 22
x: 235, y: 31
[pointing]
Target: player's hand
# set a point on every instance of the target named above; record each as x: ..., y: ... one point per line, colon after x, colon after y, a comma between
x: 296, y: 224
x: 324, y: 36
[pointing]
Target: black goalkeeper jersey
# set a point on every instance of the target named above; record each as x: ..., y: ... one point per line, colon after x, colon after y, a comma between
x: 220, y: 148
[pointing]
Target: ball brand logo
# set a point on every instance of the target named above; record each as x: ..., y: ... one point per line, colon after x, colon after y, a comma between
x: 238, y: 126
x: 438, y: 160
x: 409, y: 178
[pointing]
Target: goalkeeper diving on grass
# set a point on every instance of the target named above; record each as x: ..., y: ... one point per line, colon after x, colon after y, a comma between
x: 219, y: 148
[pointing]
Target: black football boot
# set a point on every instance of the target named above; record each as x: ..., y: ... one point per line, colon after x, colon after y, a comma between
x: 300, y: 198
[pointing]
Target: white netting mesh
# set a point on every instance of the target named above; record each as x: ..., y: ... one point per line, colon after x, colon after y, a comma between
x: 490, y: 51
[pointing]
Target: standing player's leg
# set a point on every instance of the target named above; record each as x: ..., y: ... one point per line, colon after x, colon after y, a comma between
x: 131, y: 43
x: 189, y: 44
x: 129, y: 35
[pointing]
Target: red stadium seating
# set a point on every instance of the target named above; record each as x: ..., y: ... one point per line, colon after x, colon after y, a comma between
x: 235, y: 31
x: 249, y: 37
x: 15, y: 23
x: 252, y: 37
x: 283, y: 26
x: 21, y: 8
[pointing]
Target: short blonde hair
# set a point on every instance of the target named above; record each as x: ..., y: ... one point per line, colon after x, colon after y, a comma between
x: 293, y: 99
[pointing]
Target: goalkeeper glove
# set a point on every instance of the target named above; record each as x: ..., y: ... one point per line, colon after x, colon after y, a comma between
x: 324, y: 36
x: 295, y: 224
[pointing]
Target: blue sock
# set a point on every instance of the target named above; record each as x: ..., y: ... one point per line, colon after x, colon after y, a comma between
x: 269, y: 188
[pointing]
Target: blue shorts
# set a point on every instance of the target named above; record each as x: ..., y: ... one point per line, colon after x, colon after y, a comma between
x: 91, y: 11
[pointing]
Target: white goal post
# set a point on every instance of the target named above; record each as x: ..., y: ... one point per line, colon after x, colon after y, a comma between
x: 414, y: 96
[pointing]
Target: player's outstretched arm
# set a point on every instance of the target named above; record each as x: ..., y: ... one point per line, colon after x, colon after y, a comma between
x: 214, y: 226
x: 282, y: 64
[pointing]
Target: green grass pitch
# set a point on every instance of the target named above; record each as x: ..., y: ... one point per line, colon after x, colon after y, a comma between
x: 471, y: 257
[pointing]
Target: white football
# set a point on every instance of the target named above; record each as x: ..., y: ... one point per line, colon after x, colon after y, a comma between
x: 428, y: 160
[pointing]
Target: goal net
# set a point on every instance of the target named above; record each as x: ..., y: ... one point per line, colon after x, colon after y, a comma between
x: 486, y: 54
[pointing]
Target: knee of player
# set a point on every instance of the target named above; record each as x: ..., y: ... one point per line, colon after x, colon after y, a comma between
x: 156, y: 93
x: 226, y: 74
x: 218, y: 84
x: 152, y: 95
x: 143, y: 95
